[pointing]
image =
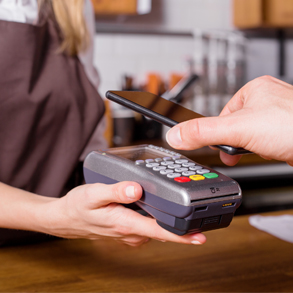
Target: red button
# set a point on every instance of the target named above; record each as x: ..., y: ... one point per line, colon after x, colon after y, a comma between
x: 182, y: 179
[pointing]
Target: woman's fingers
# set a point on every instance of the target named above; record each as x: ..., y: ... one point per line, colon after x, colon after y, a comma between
x: 132, y: 223
x: 94, y: 211
x: 99, y: 195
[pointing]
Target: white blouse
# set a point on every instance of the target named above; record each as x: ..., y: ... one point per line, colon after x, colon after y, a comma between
x: 26, y: 11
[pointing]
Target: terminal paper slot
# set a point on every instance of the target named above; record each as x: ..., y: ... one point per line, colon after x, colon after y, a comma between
x: 200, y: 209
x: 215, y: 198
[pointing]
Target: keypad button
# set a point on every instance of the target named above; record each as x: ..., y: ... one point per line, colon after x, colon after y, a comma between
x: 159, y: 168
x: 182, y: 179
x: 139, y: 162
x: 203, y: 171
x: 175, y: 157
x: 149, y: 160
x: 151, y: 165
x: 188, y: 164
x: 188, y: 173
x: 173, y: 175
x: 197, y: 177
x: 158, y: 160
x: 211, y: 175
x: 194, y: 168
x: 166, y: 163
x: 181, y: 169
x: 174, y: 166
x: 181, y: 161
x: 167, y: 158
x: 165, y: 172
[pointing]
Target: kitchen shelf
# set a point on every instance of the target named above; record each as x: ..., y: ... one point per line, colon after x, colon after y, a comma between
x: 118, y: 29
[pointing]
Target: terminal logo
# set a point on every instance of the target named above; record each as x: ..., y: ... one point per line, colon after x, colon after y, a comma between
x: 214, y: 190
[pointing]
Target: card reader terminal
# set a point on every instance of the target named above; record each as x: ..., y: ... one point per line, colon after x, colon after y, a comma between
x: 183, y: 196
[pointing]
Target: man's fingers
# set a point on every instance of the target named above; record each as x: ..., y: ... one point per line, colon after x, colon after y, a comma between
x: 239, y: 99
x: 196, y: 133
x: 229, y: 160
x: 98, y: 195
x: 235, y: 104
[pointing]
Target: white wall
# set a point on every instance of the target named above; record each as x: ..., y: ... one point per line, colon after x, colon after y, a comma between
x: 137, y: 54
x: 134, y: 54
x: 204, y: 14
x: 262, y: 59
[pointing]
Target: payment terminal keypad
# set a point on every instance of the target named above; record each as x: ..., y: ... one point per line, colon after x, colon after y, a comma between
x: 180, y: 170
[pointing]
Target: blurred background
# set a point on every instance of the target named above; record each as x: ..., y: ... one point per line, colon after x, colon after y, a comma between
x: 199, y: 52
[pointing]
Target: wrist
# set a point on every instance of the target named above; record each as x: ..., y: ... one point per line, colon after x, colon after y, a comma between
x: 23, y: 210
x: 46, y: 216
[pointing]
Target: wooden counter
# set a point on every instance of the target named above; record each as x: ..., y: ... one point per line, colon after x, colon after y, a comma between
x: 239, y: 258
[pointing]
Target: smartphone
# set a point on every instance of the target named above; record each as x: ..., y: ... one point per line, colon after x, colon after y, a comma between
x: 162, y: 110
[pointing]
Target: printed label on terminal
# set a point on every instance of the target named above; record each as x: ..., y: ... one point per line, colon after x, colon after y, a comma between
x: 228, y: 204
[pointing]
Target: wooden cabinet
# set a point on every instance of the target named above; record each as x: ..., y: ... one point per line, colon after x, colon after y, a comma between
x: 279, y: 13
x: 115, y: 6
x: 263, y: 13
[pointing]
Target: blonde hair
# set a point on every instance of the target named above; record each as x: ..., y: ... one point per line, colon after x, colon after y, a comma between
x: 69, y: 15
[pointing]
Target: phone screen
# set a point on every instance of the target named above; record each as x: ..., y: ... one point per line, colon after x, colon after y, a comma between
x: 153, y: 106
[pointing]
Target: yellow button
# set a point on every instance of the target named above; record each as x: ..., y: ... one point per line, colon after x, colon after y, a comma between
x: 197, y: 177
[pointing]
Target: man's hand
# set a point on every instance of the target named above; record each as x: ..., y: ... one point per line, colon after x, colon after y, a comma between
x: 258, y: 118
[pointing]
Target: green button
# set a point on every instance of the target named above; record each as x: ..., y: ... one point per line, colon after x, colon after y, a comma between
x: 211, y: 175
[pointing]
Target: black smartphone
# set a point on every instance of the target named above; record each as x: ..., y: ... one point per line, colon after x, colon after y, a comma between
x: 162, y: 110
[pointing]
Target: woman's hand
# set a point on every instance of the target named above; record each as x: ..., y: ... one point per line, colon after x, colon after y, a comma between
x: 258, y: 118
x: 93, y: 211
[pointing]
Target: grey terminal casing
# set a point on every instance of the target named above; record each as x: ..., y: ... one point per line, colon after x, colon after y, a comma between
x: 179, y: 207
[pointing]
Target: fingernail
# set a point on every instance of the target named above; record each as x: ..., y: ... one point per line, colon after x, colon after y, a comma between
x: 130, y: 192
x: 173, y: 137
x: 195, y: 242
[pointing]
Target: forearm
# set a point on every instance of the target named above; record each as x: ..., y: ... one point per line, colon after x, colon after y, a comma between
x: 23, y: 210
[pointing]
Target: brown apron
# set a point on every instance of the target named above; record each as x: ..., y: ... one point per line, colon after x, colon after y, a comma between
x: 48, y: 111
